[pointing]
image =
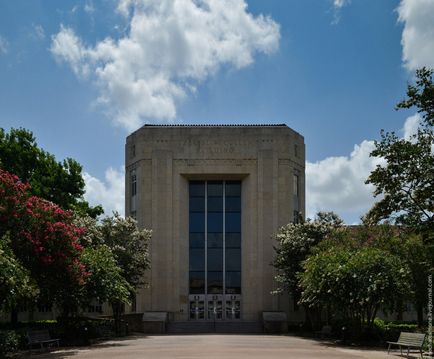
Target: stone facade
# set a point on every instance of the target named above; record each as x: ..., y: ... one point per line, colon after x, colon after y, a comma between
x: 160, y: 162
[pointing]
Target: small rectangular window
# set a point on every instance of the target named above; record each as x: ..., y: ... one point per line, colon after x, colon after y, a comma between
x: 44, y: 308
x: 133, y: 183
x: 296, y: 217
x: 295, y: 185
x: 133, y: 180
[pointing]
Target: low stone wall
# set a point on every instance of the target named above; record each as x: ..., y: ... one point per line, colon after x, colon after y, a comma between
x: 275, y: 322
x: 134, y: 321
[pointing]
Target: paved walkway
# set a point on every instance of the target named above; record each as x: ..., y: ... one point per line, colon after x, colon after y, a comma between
x: 215, y: 346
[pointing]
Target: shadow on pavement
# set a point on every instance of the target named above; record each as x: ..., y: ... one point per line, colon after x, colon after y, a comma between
x: 65, y: 352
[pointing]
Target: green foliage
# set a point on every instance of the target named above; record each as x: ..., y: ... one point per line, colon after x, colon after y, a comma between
x: 354, y: 282
x: 419, y: 257
x: 16, y: 285
x: 398, y: 327
x: 406, y: 181
x: 117, y: 257
x: 9, y: 341
x: 421, y: 96
x: 58, y: 182
x: 105, y: 282
x: 295, y: 241
x: 389, y: 331
x: 129, y: 245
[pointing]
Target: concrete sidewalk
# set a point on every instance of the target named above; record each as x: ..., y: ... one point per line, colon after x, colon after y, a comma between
x: 213, y: 347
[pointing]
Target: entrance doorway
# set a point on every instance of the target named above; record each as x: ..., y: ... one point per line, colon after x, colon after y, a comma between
x: 215, y: 250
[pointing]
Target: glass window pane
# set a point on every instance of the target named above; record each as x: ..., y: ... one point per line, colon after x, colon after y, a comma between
x: 215, y: 188
x: 197, y: 282
x: 215, y: 222
x: 233, y: 204
x: 233, y: 240
x: 215, y: 240
x: 197, y: 204
x: 233, y: 188
x: 295, y: 185
x: 197, y: 240
x: 215, y: 259
x: 197, y: 259
x: 197, y: 222
x: 197, y: 189
x: 215, y: 204
x: 215, y: 282
x: 233, y: 222
x: 233, y: 282
x: 233, y: 259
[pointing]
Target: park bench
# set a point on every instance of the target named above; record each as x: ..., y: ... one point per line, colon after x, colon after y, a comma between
x: 40, y: 337
x: 409, y: 341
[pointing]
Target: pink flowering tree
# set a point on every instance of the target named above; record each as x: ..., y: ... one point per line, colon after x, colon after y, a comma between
x: 46, y: 242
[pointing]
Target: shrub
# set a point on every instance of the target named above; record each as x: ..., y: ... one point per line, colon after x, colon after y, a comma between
x: 389, y: 331
x: 9, y: 341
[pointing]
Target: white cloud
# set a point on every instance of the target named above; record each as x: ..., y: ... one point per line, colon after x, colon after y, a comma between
x: 89, y: 8
x: 38, y: 32
x: 338, y: 183
x: 109, y: 193
x: 66, y: 46
x: 418, y: 34
x: 411, y: 125
x: 337, y: 6
x: 170, y: 48
x: 4, y: 45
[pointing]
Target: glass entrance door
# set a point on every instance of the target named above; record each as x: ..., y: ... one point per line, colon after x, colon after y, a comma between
x: 197, y: 307
x: 215, y: 307
x: 215, y: 248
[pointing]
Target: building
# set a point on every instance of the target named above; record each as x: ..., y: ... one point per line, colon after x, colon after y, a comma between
x: 213, y: 196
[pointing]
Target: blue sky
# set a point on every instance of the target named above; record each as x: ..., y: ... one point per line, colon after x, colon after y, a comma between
x: 331, y: 69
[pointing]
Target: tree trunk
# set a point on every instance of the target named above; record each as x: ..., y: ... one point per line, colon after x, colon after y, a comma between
x: 399, y: 311
x: 117, y: 308
x: 14, y: 316
x: 419, y: 307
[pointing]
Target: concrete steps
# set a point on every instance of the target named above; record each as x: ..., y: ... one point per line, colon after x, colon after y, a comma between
x: 196, y: 327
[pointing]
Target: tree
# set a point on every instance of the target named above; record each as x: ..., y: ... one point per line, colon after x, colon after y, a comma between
x: 295, y: 241
x: 421, y: 96
x: 411, y: 248
x: 48, y: 244
x: 406, y: 180
x: 105, y: 282
x: 58, y: 182
x: 16, y: 284
x: 355, y: 283
x: 13, y: 196
x: 44, y: 240
x: 117, y: 252
x: 129, y: 245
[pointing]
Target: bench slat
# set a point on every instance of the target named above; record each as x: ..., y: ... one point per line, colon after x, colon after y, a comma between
x: 40, y: 337
x: 409, y: 340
